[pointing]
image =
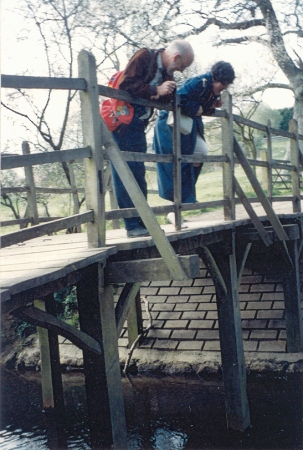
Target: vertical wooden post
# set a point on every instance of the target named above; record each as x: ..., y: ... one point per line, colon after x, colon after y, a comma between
x: 75, y: 196
x: 269, y: 161
x: 230, y: 331
x: 102, y: 373
x: 177, y: 163
x: 52, y: 390
x: 30, y: 183
x: 227, y: 149
x: 91, y: 126
x: 292, y: 298
x: 112, y: 195
x: 294, y: 161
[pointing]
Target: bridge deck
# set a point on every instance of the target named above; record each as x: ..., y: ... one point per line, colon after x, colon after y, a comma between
x: 46, y: 259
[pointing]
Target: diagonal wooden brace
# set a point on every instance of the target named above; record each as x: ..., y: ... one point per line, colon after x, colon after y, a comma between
x: 135, y: 193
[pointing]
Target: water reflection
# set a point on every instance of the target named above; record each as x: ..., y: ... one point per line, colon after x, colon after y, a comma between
x: 169, y: 413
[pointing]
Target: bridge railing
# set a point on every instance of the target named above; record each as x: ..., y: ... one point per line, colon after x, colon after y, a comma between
x: 99, y: 147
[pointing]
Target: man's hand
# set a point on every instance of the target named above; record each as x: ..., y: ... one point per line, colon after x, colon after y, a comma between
x: 200, y: 111
x: 217, y: 103
x: 166, y: 88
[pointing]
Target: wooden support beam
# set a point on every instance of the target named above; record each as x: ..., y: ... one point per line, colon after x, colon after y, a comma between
x: 154, y: 269
x: 259, y: 191
x: 242, y: 251
x: 102, y: 372
x: 251, y: 212
x: 51, y: 378
x: 43, y: 319
x: 135, y: 193
x: 211, y: 265
x: 52, y: 389
x: 230, y: 331
x: 126, y: 299
x: 292, y: 299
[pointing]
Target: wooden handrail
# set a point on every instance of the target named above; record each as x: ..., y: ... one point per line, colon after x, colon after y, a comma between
x: 47, y: 228
x: 12, y: 162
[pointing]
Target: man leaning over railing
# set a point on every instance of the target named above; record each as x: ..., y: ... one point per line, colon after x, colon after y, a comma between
x: 148, y: 75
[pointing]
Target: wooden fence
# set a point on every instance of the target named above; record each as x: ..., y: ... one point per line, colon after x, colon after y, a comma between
x: 99, y: 147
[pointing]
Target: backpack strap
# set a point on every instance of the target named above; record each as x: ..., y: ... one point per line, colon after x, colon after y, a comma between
x: 153, y: 56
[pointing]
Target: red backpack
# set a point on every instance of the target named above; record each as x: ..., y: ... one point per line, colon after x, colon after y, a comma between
x: 114, y: 112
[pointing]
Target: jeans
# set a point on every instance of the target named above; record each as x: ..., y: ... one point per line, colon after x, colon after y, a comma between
x: 131, y: 138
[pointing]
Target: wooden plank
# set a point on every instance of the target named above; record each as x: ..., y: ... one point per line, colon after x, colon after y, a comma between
x: 12, y: 190
x: 92, y: 136
x: 230, y: 331
x: 154, y: 269
x: 47, y: 228
x: 26, y: 296
x: 46, y: 364
x: 30, y: 182
x: 42, y: 319
x: 43, y: 190
x: 102, y: 373
x: 164, y: 210
x: 130, y: 184
x: 177, y: 163
x: 8, y: 223
x: 36, y: 277
x: 143, y: 157
x: 228, y: 166
x: 258, y: 190
x: 251, y: 212
x: 292, y: 299
x: 294, y: 159
x: 12, y: 162
x: 27, y: 82
x: 54, y: 258
x: 126, y: 299
x: 206, y: 159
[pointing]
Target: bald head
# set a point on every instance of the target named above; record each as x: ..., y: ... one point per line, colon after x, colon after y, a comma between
x: 177, y: 56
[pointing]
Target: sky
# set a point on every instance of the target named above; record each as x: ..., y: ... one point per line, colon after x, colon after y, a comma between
x: 20, y: 53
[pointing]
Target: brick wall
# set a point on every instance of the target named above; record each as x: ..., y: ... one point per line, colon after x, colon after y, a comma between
x: 185, y: 314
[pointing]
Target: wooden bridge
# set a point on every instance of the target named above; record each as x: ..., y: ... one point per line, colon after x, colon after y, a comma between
x: 35, y: 265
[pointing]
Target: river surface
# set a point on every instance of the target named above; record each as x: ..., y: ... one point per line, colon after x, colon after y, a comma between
x: 162, y: 413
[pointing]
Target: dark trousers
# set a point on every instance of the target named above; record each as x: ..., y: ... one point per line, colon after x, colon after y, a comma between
x: 131, y: 138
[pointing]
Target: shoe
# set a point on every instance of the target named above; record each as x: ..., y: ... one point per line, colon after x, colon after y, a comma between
x: 137, y: 232
x: 171, y: 218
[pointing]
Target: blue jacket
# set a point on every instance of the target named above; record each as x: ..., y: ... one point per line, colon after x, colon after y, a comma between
x: 195, y: 92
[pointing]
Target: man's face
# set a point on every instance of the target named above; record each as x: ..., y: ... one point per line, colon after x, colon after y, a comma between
x: 218, y: 87
x: 179, y: 63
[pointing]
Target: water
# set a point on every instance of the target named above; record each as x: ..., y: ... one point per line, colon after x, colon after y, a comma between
x: 162, y: 413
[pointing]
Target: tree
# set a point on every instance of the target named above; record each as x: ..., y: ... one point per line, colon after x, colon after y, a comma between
x: 286, y: 115
x: 114, y: 33
x: 273, y: 24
